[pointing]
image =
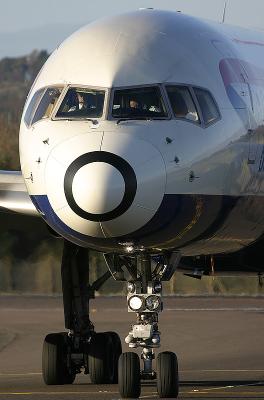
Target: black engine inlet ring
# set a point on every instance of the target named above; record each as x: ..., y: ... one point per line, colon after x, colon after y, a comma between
x: 121, y: 165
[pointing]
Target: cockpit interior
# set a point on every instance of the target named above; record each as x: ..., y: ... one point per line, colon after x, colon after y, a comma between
x: 150, y: 102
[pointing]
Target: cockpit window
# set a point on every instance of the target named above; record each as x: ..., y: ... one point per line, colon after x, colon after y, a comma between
x: 82, y: 103
x: 32, y: 105
x: 207, y: 105
x: 47, y: 103
x: 136, y: 103
x: 182, y: 103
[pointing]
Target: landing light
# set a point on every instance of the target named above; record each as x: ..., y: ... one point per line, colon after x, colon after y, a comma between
x: 135, y: 303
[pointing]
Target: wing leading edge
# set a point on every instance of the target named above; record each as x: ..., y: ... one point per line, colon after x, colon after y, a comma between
x: 14, y: 197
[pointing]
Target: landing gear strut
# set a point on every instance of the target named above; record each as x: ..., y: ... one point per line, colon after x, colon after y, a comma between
x: 145, y: 299
x: 81, y: 349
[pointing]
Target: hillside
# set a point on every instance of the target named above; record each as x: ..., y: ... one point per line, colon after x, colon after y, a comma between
x: 16, y: 78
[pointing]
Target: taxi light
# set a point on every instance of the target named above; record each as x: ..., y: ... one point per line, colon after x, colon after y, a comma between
x: 153, y: 303
x: 135, y: 303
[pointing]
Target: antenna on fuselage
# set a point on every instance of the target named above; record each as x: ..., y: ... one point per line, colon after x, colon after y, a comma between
x: 224, y: 13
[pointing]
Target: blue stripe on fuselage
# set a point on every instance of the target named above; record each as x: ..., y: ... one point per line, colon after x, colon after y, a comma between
x: 180, y: 221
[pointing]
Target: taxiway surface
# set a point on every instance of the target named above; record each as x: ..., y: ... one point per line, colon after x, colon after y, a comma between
x: 219, y: 343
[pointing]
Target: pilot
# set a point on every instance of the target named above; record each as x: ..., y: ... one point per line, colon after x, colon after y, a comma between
x: 133, y: 104
x: 134, y: 107
x: 79, y: 103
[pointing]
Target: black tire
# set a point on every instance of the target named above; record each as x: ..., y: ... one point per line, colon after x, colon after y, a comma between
x: 100, y: 354
x: 129, y: 376
x: 167, y: 375
x: 54, y: 360
x: 117, y: 351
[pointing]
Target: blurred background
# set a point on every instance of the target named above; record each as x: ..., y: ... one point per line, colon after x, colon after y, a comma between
x: 29, y: 32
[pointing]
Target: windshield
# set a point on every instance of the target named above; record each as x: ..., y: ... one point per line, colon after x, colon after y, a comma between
x: 182, y: 103
x: 139, y: 103
x: 32, y: 105
x: 82, y: 103
x: 47, y: 104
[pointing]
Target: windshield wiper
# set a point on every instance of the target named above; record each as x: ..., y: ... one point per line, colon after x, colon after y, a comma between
x: 134, y: 119
x: 140, y: 119
x: 94, y: 121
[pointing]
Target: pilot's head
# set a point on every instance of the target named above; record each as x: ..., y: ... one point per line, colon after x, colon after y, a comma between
x: 80, y: 97
x: 133, y: 103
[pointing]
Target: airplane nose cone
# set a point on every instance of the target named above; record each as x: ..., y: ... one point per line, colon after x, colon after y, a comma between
x: 104, y: 185
x: 98, y: 188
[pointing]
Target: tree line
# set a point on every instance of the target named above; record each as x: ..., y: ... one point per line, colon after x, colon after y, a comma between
x: 16, y: 78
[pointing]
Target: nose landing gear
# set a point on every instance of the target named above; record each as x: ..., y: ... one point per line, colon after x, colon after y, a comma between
x: 145, y: 299
x: 100, y: 354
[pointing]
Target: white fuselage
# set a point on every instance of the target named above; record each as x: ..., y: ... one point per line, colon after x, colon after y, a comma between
x: 198, y: 187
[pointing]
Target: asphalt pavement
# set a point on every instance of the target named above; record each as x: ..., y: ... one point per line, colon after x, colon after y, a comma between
x: 218, y: 341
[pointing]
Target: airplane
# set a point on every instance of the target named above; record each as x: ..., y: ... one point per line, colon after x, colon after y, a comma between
x: 141, y: 138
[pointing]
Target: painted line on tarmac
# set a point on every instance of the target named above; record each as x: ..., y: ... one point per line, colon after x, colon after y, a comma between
x: 220, y: 370
x: 25, y: 310
x: 181, y: 393
x: 20, y: 374
x: 218, y: 388
x: 56, y: 393
x: 223, y: 390
x: 149, y: 396
x: 124, y: 310
x: 189, y: 371
x: 245, y: 309
x: 225, y: 393
x: 260, y: 383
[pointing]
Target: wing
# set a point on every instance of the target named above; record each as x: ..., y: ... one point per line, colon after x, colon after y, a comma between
x: 17, y: 212
x: 13, y: 194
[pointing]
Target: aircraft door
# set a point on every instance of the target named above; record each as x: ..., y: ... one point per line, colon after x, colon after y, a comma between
x: 239, y: 91
x: 247, y: 97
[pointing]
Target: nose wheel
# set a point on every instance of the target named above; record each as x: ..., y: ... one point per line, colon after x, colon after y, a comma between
x: 129, y: 376
x: 167, y: 375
